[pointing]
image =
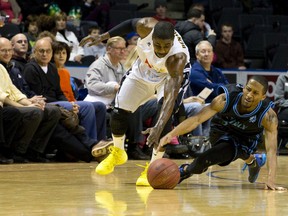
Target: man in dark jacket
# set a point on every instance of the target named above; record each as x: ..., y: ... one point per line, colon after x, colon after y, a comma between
x: 191, y: 32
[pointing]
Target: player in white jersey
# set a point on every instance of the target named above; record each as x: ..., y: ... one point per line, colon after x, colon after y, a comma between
x: 159, y: 69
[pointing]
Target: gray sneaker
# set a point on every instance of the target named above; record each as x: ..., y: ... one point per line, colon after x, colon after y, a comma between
x: 101, y: 148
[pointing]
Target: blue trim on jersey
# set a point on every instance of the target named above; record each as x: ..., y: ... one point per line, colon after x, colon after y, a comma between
x: 271, y: 104
x: 247, y: 114
x: 227, y: 98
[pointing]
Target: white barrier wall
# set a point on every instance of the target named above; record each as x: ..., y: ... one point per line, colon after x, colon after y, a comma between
x: 232, y: 75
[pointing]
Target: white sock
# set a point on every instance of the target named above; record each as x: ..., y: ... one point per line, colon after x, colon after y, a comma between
x: 119, y: 141
x: 156, y: 156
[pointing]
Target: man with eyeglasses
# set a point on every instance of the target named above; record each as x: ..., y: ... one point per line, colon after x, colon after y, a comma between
x: 163, y: 56
x: 36, y: 128
x: 104, y: 74
x: 42, y: 78
x: 103, y: 81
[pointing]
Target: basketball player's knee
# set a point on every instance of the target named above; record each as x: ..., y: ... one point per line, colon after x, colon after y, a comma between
x: 119, y: 121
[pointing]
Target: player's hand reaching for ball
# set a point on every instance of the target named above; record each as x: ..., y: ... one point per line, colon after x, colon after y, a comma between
x: 163, y: 141
x: 153, y: 138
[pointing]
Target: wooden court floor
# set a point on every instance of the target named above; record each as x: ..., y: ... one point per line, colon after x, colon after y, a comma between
x: 75, y: 189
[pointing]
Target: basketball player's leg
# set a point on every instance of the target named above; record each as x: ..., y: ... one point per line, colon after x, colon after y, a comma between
x: 142, y: 179
x: 130, y: 96
x: 222, y: 154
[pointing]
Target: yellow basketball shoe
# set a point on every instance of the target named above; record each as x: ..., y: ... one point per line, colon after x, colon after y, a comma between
x: 142, y: 180
x: 116, y: 157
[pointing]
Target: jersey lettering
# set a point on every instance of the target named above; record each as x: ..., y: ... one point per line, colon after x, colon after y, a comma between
x: 180, y: 40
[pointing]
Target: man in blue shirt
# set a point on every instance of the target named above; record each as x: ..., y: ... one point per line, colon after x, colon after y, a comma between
x: 203, y: 73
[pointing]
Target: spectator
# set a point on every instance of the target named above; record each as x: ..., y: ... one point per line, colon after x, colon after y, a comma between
x: 131, y: 40
x: 96, y: 50
x: 199, y: 4
x: 281, y: 96
x: 46, y: 23
x: 68, y: 37
x: 131, y: 53
x: 42, y: 77
x: 20, y: 49
x: 31, y: 30
x: 229, y: 53
x: 11, y: 9
x: 206, y: 27
x: 77, y: 56
x: 104, y: 75
x: 47, y: 35
x: 191, y: 31
x: 61, y: 53
x: 160, y: 8
x: 203, y: 73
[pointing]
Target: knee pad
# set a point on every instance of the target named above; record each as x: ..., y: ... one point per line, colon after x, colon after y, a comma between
x: 119, y: 121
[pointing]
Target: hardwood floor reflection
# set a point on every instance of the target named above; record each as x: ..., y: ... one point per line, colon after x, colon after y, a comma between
x: 75, y: 189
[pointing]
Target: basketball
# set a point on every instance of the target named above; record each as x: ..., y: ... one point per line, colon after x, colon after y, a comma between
x: 163, y: 174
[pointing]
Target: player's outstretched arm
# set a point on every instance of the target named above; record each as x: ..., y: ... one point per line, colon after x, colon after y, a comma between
x: 270, y: 123
x: 192, y: 122
x: 175, y: 65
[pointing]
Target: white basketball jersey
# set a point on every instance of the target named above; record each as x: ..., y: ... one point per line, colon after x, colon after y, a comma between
x: 150, y: 67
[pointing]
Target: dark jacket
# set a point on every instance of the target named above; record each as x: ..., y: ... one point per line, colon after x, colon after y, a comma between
x: 45, y: 84
x: 198, y: 80
x: 19, y: 62
x: 192, y: 35
x: 18, y: 80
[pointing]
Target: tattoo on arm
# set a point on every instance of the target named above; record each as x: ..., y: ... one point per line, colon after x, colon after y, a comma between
x: 272, y: 118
